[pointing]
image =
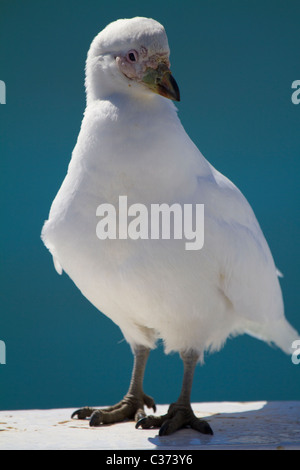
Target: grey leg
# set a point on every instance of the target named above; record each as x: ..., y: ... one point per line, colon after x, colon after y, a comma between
x: 132, y: 405
x: 180, y: 413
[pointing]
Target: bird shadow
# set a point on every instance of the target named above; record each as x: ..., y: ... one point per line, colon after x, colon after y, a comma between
x: 248, y: 425
x: 182, y: 439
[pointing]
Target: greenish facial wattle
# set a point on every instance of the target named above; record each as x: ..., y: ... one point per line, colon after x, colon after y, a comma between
x: 161, y: 81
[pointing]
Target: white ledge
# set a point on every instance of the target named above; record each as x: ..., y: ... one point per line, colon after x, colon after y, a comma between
x: 236, y: 425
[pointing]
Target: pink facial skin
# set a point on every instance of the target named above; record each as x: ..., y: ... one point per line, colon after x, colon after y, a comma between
x: 134, y: 64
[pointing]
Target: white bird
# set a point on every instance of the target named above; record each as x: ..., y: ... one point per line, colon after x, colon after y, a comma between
x: 132, y: 143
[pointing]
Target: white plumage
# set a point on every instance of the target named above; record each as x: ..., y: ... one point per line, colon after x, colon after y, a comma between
x: 132, y: 143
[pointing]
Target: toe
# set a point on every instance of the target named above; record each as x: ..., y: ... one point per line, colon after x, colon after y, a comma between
x: 168, y: 427
x: 201, y: 426
x: 177, y: 421
x: 96, y: 418
x: 149, y: 402
x: 140, y: 414
x: 178, y: 417
x: 144, y: 423
x: 149, y: 422
x: 83, y: 413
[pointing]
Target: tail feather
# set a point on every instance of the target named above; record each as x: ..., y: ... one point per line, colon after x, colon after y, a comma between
x: 279, y: 332
x: 284, y: 335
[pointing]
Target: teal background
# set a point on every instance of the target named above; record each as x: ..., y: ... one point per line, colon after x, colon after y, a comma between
x: 234, y: 62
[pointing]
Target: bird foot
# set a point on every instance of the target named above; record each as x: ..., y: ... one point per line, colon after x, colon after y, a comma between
x: 178, y: 416
x: 131, y: 407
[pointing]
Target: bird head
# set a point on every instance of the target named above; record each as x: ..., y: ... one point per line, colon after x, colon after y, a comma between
x: 130, y: 56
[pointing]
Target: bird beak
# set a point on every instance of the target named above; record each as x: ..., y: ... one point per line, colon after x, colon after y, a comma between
x: 161, y: 81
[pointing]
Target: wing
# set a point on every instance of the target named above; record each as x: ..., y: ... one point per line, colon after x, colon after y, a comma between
x: 247, y: 272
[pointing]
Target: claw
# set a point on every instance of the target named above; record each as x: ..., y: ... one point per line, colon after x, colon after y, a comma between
x: 203, y: 427
x: 164, y: 430
x: 208, y: 430
x: 149, y: 402
x: 83, y: 413
x: 150, y: 422
x: 140, y: 421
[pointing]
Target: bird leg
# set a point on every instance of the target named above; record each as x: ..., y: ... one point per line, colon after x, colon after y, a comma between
x: 132, y: 405
x: 180, y: 413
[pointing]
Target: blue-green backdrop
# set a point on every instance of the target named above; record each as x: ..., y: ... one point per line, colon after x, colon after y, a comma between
x: 235, y: 62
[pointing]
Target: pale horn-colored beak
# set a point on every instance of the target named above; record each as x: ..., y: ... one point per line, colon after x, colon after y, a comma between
x: 161, y: 81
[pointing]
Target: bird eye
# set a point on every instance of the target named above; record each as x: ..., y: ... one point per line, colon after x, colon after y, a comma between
x: 132, y: 56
